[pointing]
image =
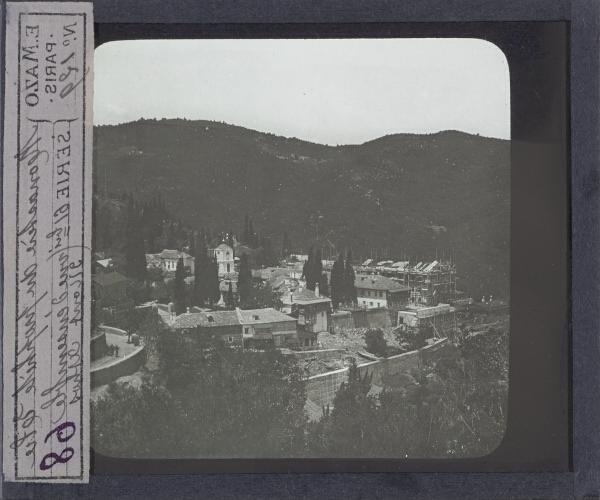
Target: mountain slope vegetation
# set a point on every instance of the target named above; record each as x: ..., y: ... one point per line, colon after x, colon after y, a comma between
x: 402, y: 196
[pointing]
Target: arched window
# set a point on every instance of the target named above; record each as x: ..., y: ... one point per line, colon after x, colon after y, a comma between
x: 228, y: 255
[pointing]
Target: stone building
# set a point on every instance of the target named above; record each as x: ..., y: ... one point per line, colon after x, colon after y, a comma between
x: 167, y: 260
x: 312, y: 310
x: 379, y: 291
x: 264, y: 326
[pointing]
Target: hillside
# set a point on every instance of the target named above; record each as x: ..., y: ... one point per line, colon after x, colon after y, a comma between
x: 400, y: 194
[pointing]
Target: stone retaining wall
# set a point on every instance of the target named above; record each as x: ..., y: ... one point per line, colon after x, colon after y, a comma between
x: 372, y: 318
x: 120, y: 368
x: 321, y: 388
x: 341, y: 321
x: 110, y: 329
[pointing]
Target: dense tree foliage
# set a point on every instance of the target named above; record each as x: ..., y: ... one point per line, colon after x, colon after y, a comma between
x: 212, y: 403
x: 208, y: 400
x: 455, y: 409
x: 255, y: 295
x: 376, y: 343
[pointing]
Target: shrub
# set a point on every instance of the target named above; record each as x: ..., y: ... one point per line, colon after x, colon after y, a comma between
x: 376, y: 343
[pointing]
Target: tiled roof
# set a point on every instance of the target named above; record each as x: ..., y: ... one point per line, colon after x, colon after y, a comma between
x: 229, y: 318
x: 308, y: 296
x: 173, y: 254
x: 153, y: 259
x: 223, y: 246
x: 109, y: 278
x: 376, y: 282
x: 267, y: 315
x: 194, y: 320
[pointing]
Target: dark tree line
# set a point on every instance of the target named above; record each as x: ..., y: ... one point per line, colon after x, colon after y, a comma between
x: 312, y: 272
x: 253, y: 295
x: 135, y: 230
x: 343, y: 288
x: 209, y: 401
x: 206, y: 279
x: 135, y: 248
x: 253, y: 238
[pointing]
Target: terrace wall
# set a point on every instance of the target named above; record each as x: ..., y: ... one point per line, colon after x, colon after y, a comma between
x: 341, y: 321
x: 120, y: 368
x: 321, y: 388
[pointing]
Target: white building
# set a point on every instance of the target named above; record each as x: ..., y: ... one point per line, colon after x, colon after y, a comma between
x: 378, y: 291
x: 225, y: 262
x: 167, y: 260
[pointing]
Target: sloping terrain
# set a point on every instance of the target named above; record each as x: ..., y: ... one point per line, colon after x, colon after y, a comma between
x: 413, y: 195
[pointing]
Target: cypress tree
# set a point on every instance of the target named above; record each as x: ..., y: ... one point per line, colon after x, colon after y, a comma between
x: 214, y: 294
x: 318, y: 266
x: 179, y: 295
x: 246, y: 230
x: 337, y: 282
x: 349, y: 285
x: 229, y: 297
x: 245, y: 274
x: 306, y: 270
x: 310, y: 270
x: 230, y: 239
x: 200, y: 276
x: 244, y: 277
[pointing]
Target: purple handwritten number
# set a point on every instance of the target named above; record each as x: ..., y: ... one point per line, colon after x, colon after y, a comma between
x: 59, y: 431
x: 57, y: 458
x: 61, y: 438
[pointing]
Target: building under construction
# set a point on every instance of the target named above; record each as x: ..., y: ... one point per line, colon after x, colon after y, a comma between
x: 430, y: 282
x: 441, y: 318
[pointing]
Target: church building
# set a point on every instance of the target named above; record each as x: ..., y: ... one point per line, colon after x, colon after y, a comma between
x: 224, y: 255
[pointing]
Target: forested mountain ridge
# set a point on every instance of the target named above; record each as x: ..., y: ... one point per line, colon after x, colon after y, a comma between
x: 404, y: 194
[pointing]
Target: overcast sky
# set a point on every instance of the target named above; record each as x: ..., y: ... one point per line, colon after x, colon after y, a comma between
x: 324, y: 91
